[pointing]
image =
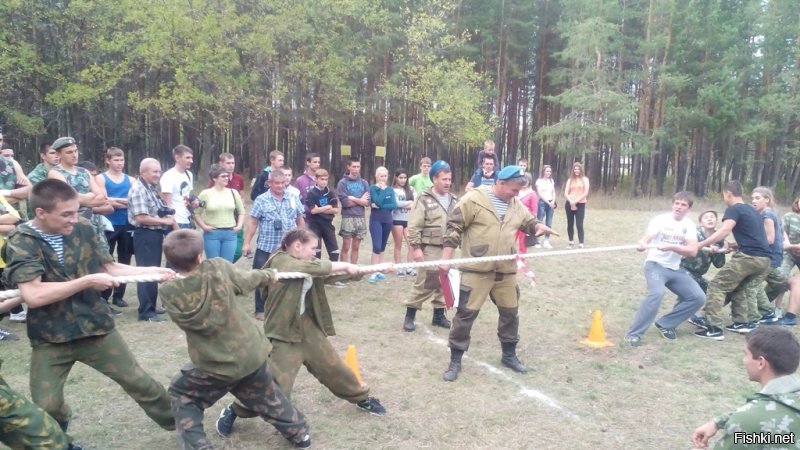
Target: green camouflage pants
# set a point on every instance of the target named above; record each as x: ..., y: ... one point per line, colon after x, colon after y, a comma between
x: 760, y: 297
x: 109, y: 355
x: 192, y: 391
x: 701, y: 281
x: 426, y: 286
x: 23, y: 425
x: 790, y: 261
x: 321, y: 361
x: 741, y: 273
x: 475, y: 288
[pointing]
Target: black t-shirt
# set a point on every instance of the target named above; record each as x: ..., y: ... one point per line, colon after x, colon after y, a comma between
x: 749, y: 230
x: 315, y: 197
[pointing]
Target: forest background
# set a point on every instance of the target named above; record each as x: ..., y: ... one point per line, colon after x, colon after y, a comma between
x: 653, y: 96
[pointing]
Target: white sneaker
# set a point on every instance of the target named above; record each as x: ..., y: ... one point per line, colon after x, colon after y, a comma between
x: 411, y: 272
x: 546, y: 244
x: 580, y: 245
x: 537, y: 246
x: 19, y: 317
x: 400, y: 272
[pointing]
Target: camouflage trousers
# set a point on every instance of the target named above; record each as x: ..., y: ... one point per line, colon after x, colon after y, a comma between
x: 760, y: 297
x: 790, y: 261
x: 741, y: 273
x: 107, y: 354
x: 193, y: 390
x: 23, y: 425
x: 426, y: 286
x: 475, y: 288
x: 701, y: 281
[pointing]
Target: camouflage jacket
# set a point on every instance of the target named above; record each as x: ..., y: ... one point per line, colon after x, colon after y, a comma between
x: 475, y: 226
x: 209, y: 306
x: 8, y: 176
x: 427, y: 222
x: 791, y: 226
x: 282, y: 308
x: 81, y: 315
x: 773, y: 410
x: 700, y: 264
x: 39, y: 173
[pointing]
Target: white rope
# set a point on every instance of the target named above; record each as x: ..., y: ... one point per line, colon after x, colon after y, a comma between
x: 11, y: 293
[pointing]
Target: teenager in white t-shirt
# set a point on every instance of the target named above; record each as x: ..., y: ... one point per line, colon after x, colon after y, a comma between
x: 674, y: 236
x: 177, y: 184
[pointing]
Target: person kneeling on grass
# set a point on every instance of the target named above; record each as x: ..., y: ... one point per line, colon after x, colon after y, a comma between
x: 298, y: 322
x: 227, y: 350
x: 771, y: 417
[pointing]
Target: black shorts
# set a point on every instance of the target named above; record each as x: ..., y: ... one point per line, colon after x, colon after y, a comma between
x: 400, y: 223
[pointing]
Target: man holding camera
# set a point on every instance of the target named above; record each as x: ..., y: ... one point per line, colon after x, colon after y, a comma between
x: 151, y: 218
x: 274, y: 213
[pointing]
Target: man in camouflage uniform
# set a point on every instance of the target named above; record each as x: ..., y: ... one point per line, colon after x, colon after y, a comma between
x: 484, y: 223
x: 227, y: 350
x: 50, y: 158
x: 791, y: 228
x: 427, y: 225
x: 771, y: 417
x: 58, y: 264
x: 22, y: 423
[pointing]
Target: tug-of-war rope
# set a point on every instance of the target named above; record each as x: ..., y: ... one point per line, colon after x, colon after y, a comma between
x: 13, y: 293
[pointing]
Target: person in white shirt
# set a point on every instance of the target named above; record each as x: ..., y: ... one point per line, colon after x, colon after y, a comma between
x: 674, y: 236
x: 546, y: 190
x: 290, y: 189
x: 177, y: 184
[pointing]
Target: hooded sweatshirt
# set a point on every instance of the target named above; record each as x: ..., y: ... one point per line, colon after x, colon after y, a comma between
x: 209, y: 306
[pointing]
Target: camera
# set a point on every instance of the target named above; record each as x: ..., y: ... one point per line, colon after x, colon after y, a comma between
x: 164, y: 211
x: 190, y: 199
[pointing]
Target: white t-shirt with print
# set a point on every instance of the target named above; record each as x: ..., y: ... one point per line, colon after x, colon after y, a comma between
x: 667, y: 230
x: 179, y: 185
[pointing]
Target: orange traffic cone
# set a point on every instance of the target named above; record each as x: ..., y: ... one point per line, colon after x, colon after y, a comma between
x: 597, y: 335
x: 351, y: 361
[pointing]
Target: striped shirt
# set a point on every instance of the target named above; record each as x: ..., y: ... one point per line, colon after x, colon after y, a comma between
x: 56, y: 241
x: 500, y: 206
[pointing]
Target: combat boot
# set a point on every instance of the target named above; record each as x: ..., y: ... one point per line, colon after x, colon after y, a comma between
x: 408, y: 325
x: 510, y: 359
x: 455, y: 365
x: 439, y: 319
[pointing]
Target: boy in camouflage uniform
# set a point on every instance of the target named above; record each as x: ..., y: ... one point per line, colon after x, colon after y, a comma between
x: 22, y: 423
x: 58, y: 264
x: 770, y: 418
x: 427, y: 225
x: 791, y: 230
x: 697, y: 266
x: 227, y: 350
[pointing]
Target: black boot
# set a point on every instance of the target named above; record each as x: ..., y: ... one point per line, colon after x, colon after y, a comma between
x: 451, y: 374
x: 510, y: 359
x: 439, y: 319
x: 408, y: 325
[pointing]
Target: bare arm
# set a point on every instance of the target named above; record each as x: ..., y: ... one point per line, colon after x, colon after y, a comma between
x: 249, y: 232
x: 38, y: 293
x: 116, y: 269
x: 150, y: 221
x: 722, y: 233
x: 769, y: 228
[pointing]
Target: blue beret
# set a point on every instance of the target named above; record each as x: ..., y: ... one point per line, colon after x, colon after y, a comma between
x: 437, y: 167
x: 510, y: 172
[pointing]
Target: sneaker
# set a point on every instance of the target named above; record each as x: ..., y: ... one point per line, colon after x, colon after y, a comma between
x: 667, y: 333
x: 381, y: 276
x: 537, y: 246
x: 546, y: 244
x: 411, y: 272
x: 161, y: 311
x: 570, y: 246
x: 741, y: 327
x: 711, y: 332
x: 119, y: 302
x: 633, y: 341
x: 400, y: 272
x: 337, y: 284
x: 769, y: 319
x: 19, y: 317
x: 304, y: 442
x: 699, y: 322
x: 6, y: 335
x: 580, y: 246
x: 373, y: 278
x: 225, y: 421
x: 788, y: 321
x: 372, y: 405
x: 114, y: 311
x: 153, y: 319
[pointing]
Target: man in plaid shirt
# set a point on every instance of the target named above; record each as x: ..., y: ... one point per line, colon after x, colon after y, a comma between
x: 274, y: 213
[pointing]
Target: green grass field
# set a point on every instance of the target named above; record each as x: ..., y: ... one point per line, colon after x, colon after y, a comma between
x: 573, y: 398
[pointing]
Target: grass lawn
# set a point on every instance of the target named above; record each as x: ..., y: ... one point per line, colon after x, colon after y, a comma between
x: 573, y: 398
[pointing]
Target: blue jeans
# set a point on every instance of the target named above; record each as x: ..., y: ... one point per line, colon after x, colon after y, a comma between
x: 220, y: 243
x: 543, y: 210
x: 690, y: 298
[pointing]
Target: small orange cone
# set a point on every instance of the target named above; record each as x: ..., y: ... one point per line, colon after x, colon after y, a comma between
x: 597, y: 335
x: 351, y: 361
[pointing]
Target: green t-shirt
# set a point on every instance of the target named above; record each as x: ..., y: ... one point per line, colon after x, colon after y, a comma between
x: 420, y: 183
